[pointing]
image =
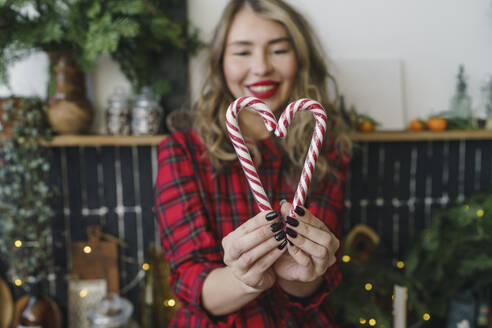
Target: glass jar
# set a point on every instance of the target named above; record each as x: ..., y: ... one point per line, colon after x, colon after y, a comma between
x: 112, y: 312
x: 118, y: 113
x: 146, y: 114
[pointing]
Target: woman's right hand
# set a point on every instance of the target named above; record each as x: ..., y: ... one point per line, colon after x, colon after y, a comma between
x: 252, y: 249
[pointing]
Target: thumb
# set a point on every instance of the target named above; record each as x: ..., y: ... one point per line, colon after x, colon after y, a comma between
x: 285, y: 208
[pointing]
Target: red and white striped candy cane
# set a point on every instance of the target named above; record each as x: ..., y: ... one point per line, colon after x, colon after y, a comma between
x: 316, y: 142
x: 239, y: 145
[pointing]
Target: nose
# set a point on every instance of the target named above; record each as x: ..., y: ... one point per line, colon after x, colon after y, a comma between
x: 261, y: 64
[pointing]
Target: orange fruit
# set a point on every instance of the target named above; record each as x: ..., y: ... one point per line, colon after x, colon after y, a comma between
x: 417, y: 125
x: 366, y: 126
x: 437, y: 124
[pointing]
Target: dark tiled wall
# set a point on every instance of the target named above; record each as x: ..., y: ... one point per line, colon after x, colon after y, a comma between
x: 394, y: 187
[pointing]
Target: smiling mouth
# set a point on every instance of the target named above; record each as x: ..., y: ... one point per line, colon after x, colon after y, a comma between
x: 263, y: 91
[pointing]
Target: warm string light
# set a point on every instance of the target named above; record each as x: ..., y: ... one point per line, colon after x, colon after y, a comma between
x: 87, y: 249
x: 362, y: 321
x: 368, y: 286
x: 480, y: 213
x: 19, y: 243
x: 18, y: 282
x: 372, y: 322
x: 83, y: 293
x: 169, y: 302
x: 426, y: 316
x: 145, y: 266
x: 400, y: 264
x: 346, y: 258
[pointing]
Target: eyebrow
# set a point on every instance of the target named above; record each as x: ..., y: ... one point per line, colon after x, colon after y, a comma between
x: 244, y: 43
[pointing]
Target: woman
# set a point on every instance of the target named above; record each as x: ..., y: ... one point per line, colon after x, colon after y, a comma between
x: 232, y: 265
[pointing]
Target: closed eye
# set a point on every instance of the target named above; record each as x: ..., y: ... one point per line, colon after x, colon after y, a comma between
x: 280, y: 51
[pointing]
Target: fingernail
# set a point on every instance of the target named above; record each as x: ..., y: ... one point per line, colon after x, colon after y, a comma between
x: 279, y: 236
x: 282, y: 201
x: 272, y: 215
x: 291, y: 243
x: 299, y: 210
x: 291, y: 232
x: 291, y: 221
x: 276, y: 226
x: 282, y: 245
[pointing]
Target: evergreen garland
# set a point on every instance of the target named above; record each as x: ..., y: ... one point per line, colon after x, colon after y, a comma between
x: 453, y: 254
x: 134, y: 32
x: 450, y: 256
x: 25, y: 195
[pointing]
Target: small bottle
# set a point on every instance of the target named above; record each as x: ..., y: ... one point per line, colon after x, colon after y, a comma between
x: 461, y: 103
x: 118, y: 113
x: 146, y: 114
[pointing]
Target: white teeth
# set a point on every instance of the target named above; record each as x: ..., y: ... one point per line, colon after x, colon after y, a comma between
x: 262, y: 88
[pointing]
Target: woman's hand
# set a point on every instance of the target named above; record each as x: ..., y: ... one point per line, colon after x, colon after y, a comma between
x: 312, y: 250
x: 251, y: 250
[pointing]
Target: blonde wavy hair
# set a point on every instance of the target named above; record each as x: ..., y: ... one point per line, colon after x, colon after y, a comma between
x: 310, y: 82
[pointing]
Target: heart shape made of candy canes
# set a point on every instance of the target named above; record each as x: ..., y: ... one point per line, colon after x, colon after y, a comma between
x: 280, y: 130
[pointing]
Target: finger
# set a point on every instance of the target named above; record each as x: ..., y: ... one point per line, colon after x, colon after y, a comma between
x: 318, y: 236
x: 266, y: 261
x: 299, y: 255
x: 285, y: 208
x: 259, y: 220
x: 250, y: 258
x: 308, y: 247
x: 252, y: 239
x: 303, y: 214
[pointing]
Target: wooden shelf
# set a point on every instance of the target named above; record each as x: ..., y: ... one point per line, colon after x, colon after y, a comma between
x: 378, y: 136
x: 102, y: 140
x: 399, y: 136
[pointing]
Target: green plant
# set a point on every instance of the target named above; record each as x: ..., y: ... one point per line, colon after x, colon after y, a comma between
x: 25, y: 195
x: 134, y: 32
x: 452, y: 255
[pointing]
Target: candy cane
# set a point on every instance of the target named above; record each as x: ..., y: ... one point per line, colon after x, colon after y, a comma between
x: 239, y: 145
x: 316, y: 141
x: 281, y: 131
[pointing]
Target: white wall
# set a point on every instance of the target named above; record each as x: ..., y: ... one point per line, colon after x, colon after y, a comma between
x: 429, y: 38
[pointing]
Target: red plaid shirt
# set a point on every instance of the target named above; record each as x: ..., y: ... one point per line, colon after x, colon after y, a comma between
x: 196, y: 208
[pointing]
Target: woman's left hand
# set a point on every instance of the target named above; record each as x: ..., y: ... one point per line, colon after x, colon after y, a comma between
x: 313, y: 249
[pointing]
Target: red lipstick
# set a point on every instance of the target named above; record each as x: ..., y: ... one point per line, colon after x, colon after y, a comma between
x: 263, y: 89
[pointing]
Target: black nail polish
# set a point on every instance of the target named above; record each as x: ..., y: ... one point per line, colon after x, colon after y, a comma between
x: 291, y: 243
x: 276, y: 226
x: 282, y: 245
x: 291, y: 232
x: 272, y: 215
x: 293, y: 222
x: 279, y: 236
x: 299, y: 210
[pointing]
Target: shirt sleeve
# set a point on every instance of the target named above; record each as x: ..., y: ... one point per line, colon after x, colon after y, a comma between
x: 188, y: 244
x: 327, y: 204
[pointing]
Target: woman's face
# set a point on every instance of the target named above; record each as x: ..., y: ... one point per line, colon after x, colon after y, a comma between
x: 259, y: 59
